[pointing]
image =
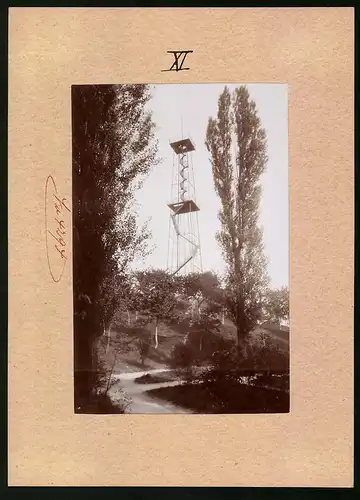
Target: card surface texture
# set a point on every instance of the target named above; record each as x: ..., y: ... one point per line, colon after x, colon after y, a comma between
x: 181, y: 246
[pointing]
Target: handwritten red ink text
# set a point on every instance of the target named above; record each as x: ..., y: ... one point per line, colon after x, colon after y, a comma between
x: 56, y: 217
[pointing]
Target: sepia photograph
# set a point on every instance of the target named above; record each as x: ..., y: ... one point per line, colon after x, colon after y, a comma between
x: 180, y: 248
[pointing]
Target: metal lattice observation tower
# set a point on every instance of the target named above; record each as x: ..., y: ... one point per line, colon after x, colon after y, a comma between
x: 184, y: 251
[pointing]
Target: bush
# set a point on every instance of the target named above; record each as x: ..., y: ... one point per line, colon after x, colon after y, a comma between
x: 263, y: 354
x: 181, y: 356
x: 156, y: 378
x: 102, y: 382
x: 258, y: 362
x: 258, y: 354
x: 225, y: 359
x: 182, y: 360
x: 147, y: 379
x: 143, y: 346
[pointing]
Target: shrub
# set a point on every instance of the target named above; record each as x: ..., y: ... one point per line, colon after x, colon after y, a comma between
x: 143, y: 346
x: 146, y: 379
x: 156, y: 378
x: 102, y: 382
x: 182, y: 360
x: 256, y: 363
x: 264, y: 355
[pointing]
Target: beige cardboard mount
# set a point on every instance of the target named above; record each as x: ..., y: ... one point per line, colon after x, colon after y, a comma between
x: 311, y: 50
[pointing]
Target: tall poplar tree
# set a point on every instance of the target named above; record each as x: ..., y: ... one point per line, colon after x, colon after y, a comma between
x: 113, y: 148
x: 237, y: 146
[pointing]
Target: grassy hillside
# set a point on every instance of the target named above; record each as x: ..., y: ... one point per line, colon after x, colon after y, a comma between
x: 125, y: 336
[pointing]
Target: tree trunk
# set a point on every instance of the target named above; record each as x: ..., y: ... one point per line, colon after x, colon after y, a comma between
x: 108, y: 338
x: 156, y: 336
x: 128, y: 315
x: 136, y: 315
x: 239, y: 337
x: 240, y: 321
x: 201, y: 342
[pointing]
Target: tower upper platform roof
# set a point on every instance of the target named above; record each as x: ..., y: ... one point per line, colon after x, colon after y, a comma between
x: 183, y: 146
x: 184, y: 207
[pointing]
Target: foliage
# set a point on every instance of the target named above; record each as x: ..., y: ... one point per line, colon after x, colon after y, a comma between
x: 156, y: 378
x: 206, y: 322
x: 208, y: 318
x: 155, y: 296
x: 182, y: 359
x: 225, y: 359
x: 207, y: 299
x: 224, y: 396
x: 201, y: 287
x: 143, y: 346
x: 263, y: 354
x: 276, y: 305
x: 194, y: 283
x: 237, y: 183
x: 99, y: 400
x: 113, y: 149
x: 260, y: 355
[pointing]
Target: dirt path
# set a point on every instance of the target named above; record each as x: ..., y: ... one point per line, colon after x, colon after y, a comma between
x: 142, y: 402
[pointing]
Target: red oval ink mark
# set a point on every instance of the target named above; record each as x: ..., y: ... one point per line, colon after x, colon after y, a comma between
x: 56, y: 230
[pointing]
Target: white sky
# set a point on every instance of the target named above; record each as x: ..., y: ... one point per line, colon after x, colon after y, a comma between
x: 191, y: 105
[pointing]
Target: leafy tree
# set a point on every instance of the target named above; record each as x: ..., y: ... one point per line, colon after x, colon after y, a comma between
x: 200, y: 287
x: 113, y: 149
x: 207, y: 321
x: 206, y: 297
x: 156, y: 298
x: 237, y: 183
x: 276, y: 305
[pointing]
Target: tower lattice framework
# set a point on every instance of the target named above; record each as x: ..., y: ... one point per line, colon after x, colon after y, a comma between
x: 184, y: 251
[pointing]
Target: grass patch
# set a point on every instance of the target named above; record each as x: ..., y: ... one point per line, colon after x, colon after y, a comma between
x: 229, y: 397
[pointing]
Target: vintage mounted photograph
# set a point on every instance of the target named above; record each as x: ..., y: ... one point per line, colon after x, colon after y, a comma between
x: 180, y: 248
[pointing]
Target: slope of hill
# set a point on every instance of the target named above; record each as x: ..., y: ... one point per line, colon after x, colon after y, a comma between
x: 125, y: 340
